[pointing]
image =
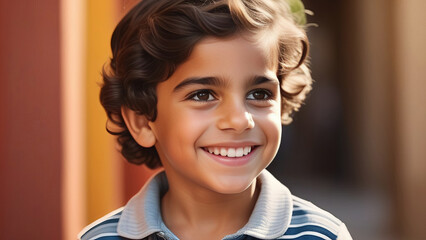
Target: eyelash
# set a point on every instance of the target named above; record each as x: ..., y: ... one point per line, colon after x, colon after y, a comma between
x: 268, y: 94
x: 194, y: 94
x: 212, y: 97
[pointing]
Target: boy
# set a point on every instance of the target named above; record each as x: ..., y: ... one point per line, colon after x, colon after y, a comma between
x: 201, y: 88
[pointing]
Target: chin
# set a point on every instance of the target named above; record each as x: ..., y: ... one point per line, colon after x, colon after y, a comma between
x: 232, y: 184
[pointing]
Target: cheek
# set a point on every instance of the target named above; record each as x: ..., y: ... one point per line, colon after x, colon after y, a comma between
x: 191, y: 121
x: 269, y: 121
x: 180, y: 127
x: 273, y: 129
x: 179, y: 131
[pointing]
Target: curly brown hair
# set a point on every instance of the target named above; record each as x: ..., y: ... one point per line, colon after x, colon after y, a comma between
x: 157, y: 35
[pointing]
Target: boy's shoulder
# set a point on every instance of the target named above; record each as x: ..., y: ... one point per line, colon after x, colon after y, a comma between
x: 309, y: 220
x: 105, y: 228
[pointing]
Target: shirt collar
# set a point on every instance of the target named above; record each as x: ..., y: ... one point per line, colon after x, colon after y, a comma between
x: 270, y: 218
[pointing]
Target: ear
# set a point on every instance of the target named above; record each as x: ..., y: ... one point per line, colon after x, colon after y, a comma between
x: 138, y: 127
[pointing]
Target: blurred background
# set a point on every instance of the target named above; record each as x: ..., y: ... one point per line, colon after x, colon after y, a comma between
x: 357, y: 148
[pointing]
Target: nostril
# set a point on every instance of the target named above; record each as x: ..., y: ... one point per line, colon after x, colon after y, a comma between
x: 236, y: 120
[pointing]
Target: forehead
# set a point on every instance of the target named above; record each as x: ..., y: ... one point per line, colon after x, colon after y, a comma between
x: 229, y: 57
x: 243, y: 44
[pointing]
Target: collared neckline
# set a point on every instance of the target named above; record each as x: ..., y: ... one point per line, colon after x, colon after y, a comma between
x: 270, y: 218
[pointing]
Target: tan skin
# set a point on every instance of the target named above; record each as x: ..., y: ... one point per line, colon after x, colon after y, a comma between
x: 210, y: 195
x: 212, y: 218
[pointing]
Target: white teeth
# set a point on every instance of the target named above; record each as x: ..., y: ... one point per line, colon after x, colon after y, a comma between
x: 229, y: 152
x: 216, y: 151
x: 239, y: 152
x: 247, y: 150
x: 223, y: 152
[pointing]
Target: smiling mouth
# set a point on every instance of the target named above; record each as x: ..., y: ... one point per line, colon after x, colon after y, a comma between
x: 230, y: 152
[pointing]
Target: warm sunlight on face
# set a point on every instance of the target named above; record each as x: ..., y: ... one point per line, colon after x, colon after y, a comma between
x: 219, y: 119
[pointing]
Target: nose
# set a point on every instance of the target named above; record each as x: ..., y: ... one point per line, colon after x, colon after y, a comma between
x: 234, y: 116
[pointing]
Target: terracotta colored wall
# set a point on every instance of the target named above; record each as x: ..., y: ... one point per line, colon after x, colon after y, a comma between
x: 29, y: 120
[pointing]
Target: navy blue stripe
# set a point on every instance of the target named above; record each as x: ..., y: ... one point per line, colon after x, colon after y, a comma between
x: 297, y: 230
x: 299, y: 212
x: 320, y: 214
x: 100, y: 224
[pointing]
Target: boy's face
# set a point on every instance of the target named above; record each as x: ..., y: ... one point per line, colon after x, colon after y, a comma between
x: 224, y: 100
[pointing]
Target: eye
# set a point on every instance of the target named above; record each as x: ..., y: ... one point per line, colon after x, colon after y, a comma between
x: 203, y: 95
x: 259, y: 94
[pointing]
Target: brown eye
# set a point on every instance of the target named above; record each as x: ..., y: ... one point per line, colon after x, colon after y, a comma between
x: 202, y: 96
x: 259, y: 94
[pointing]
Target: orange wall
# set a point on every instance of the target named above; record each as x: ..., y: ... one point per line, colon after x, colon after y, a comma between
x: 103, y: 169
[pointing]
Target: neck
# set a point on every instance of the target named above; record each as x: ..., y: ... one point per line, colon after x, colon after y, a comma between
x: 188, y: 210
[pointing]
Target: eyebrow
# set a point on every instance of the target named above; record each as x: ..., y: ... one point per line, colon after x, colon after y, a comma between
x: 214, y: 81
x: 199, y: 80
x: 262, y: 79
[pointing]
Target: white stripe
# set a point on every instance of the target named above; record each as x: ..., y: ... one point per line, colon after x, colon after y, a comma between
x: 306, y: 233
x: 104, y: 235
x: 104, y: 218
x: 102, y: 228
x: 113, y: 217
x: 332, y: 226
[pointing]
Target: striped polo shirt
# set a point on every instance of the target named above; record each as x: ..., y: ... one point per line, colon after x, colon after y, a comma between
x: 277, y: 215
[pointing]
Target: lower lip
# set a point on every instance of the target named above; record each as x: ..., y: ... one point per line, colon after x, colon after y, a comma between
x: 231, y: 161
